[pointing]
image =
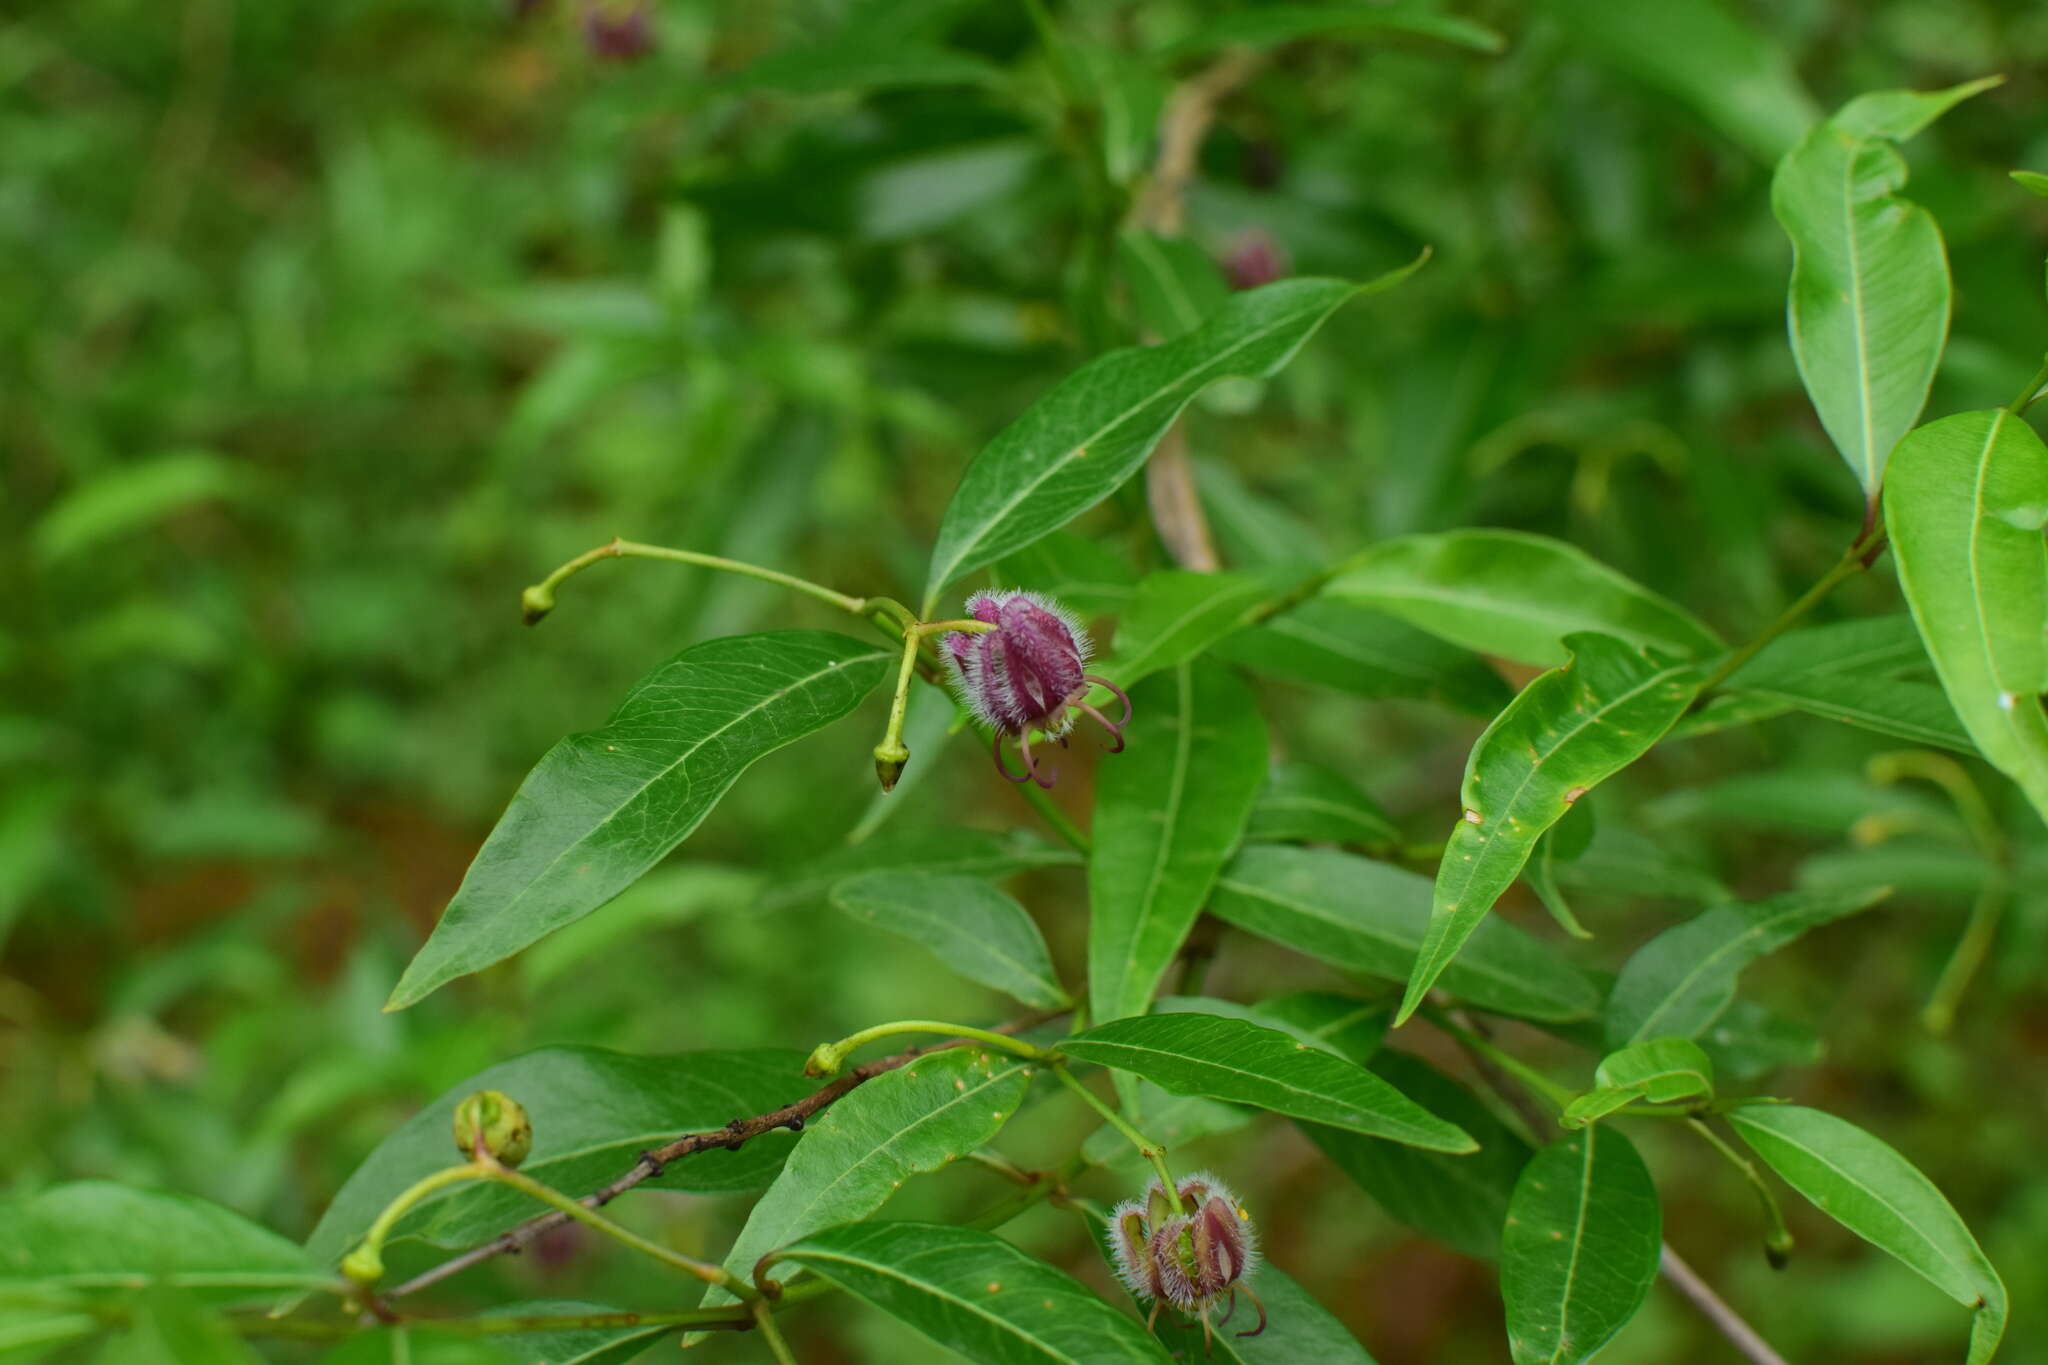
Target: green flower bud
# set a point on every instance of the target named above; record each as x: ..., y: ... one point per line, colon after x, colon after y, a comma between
x: 494, y: 1121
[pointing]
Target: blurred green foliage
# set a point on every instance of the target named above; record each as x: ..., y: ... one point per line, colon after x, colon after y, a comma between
x: 325, y: 327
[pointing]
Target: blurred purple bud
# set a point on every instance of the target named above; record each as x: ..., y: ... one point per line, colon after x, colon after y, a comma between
x: 618, y: 33
x: 1254, y: 259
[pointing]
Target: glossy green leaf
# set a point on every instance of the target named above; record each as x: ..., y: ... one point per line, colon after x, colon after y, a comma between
x: 1298, y: 1329
x: 1174, y: 283
x: 1965, y: 504
x: 934, y: 852
x: 1869, y: 302
x: 1371, y: 918
x: 1866, y: 1186
x: 1461, y: 1201
x: 974, y: 1293
x: 604, y: 806
x: 1304, y: 803
x: 1175, y: 615
x: 593, y: 1111
x: 1568, y: 731
x: 969, y: 925
x: 1702, y: 55
x: 851, y: 1158
x: 1078, y: 443
x: 1168, y: 812
x: 1680, y: 981
x: 95, y: 1234
x: 1660, y: 1071
x: 1583, y: 1238
x: 1349, y: 648
x: 1246, y: 1063
x: 1515, y: 595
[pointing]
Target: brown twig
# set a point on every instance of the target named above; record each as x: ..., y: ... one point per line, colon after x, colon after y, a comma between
x: 653, y: 1163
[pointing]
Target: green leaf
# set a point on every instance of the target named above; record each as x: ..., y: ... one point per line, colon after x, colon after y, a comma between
x: 131, y: 496
x: 974, y: 1293
x: 969, y: 925
x: 1696, y: 51
x: 1175, y: 615
x: 850, y: 1159
x: 1371, y: 918
x: 1173, y: 282
x: 1867, y: 1187
x: 1568, y: 731
x: 879, y: 45
x: 95, y: 1234
x: 1298, y: 1330
x: 1876, y: 645
x: 1266, y: 26
x: 1073, y: 570
x: 604, y: 806
x: 2033, y: 182
x: 1245, y: 1063
x: 1916, y: 712
x: 1869, y: 301
x: 1680, y: 981
x: 952, y: 852
x: 1750, y: 1041
x: 593, y: 1111
x: 1965, y: 504
x: 1660, y: 1071
x: 552, y: 1346
x: 1515, y: 595
x: 1304, y: 803
x: 1583, y: 1238
x: 1077, y: 444
x: 1329, y: 642
x: 1462, y: 1201
x: 1168, y: 812
x: 173, y: 1328
x: 1621, y: 862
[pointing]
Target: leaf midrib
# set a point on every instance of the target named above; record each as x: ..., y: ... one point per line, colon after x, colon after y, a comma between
x: 1571, y: 1269
x: 939, y: 1292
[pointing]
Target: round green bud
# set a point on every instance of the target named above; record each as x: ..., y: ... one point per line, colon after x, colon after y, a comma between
x: 493, y: 1120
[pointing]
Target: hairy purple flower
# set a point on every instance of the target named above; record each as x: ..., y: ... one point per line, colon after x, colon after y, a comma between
x: 1189, y: 1259
x: 1025, y: 674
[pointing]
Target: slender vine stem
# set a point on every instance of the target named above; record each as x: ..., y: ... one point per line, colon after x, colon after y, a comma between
x: 827, y: 1058
x: 1553, y: 1094
x: 764, y: 1318
x: 2018, y: 407
x: 1854, y: 560
x: 365, y: 1264
x: 1147, y: 1148
x: 1777, y: 1237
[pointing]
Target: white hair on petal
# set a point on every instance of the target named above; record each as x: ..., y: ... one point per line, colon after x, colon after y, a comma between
x: 1130, y: 1264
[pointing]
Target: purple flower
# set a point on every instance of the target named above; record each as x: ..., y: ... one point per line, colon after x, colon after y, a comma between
x: 1026, y: 674
x: 618, y: 34
x: 1190, y: 1260
x: 1254, y: 259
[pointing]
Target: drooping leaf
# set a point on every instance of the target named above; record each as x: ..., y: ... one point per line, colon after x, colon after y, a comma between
x: 1297, y: 1329
x: 1515, y: 595
x: 1568, y: 731
x: 1264, y: 26
x: 1700, y: 54
x: 604, y: 806
x: 1965, y: 503
x: 1868, y: 1187
x: 1680, y: 981
x: 95, y: 1234
x: 1174, y: 284
x: 1243, y: 1062
x: 974, y: 1294
x: 1333, y: 643
x: 1659, y: 1071
x: 1304, y: 803
x: 593, y: 1112
x: 935, y: 852
x: 1168, y: 812
x: 848, y: 1162
x: 968, y: 924
x: 1869, y: 302
x: 1078, y: 443
x: 1584, y: 1233
x: 1462, y: 1201
x: 1371, y: 917
x: 1175, y: 615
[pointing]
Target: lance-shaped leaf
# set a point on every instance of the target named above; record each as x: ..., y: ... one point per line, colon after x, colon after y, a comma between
x: 1583, y: 1237
x: 1516, y: 595
x: 1371, y: 918
x: 1681, y: 980
x: 604, y: 806
x: 902, y: 1123
x: 967, y: 924
x: 593, y: 1111
x: 1965, y: 504
x: 1867, y: 1187
x: 1174, y: 283
x: 1869, y: 303
x: 936, y: 852
x: 1661, y: 1071
x: 1175, y: 615
x: 1304, y: 803
x: 975, y: 1294
x: 1168, y: 812
x: 1077, y: 445
x: 95, y: 1234
x: 1246, y: 1063
x: 1298, y: 1329
x: 1349, y: 648
x: 1568, y: 731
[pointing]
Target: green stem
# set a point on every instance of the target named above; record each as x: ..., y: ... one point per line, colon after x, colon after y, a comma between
x: 1848, y: 566
x: 1553, y: 1094
x: 1049, y: 811
x: 827, y: 1058
x: 365, y: 1265
x: 764, y: 1318
x: 892, y: 753
x: 1939, y: 1014
x: 1147, y: 1148
x: 1777, y: 1237
x: 2019, y: 405
x: 539, y: 599
x: 597, y: 1222
x: 1048, y: 1182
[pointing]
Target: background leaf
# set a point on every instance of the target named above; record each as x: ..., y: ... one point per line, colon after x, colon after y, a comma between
x: 604, y: 806
x: 1297, y: 1329
x: 1583, y: 1238
x: 968, y: 924
x: 1341, y: 645
x: 928, y: 852
x: 95, y: 1234
x: 1304, y: 803
x: 1270, y: 25
x: 1174, y: 615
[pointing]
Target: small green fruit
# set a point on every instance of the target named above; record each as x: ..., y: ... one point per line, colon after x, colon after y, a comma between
x: 493, y: 1120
